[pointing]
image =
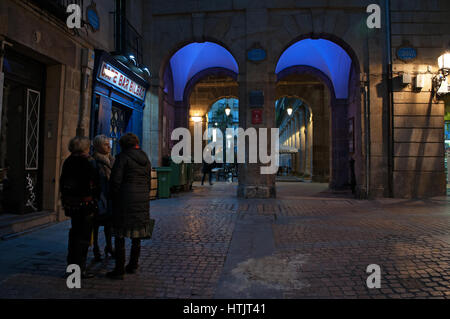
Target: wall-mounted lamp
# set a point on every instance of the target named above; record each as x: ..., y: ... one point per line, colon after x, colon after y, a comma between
x: 146, y: 70
x: 133, y: 58
x: 444, y: 63
x: 289, y: 110
x: 440, y: 81
x: 196, y: 119
x: 227, y: 111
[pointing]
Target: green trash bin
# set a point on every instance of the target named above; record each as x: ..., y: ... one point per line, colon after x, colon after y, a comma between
x: 183, y: 174
x: 174, y: 176
x: 189, y: 175
x: 163, y: 181
x: 178, y: 176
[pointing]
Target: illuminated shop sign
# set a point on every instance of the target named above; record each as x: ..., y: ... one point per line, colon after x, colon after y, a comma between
x: 113, y: 76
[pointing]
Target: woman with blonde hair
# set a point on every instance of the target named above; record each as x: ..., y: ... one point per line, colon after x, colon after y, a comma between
x: 105, y: 162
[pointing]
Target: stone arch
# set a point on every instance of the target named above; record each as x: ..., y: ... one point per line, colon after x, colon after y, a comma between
x: 174, y: 104
x: 340, y: 156
x: 164, y: 62
x: 318, y: 95
x: 326, y: 36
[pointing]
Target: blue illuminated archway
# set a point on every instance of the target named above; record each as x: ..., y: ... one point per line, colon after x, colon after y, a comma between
x: 324, y: 55
x: 196, y: 57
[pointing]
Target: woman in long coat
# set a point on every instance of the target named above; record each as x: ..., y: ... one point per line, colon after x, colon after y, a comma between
x: 130, y: 187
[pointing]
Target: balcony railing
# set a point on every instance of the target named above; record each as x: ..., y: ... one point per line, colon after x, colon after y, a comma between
x: 133, y: 41
x: 127, y: 38
x: 57, y: 7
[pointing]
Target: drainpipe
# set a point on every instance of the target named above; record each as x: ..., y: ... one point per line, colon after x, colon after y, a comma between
x: 390, y: 114
x: 366, y: 81
x: 87, y: 65
x: 367, y: 127
x: 2, y: 76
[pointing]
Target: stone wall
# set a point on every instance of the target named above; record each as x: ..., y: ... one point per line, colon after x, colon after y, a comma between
x: 275, y: 25
x: 48, y: 40
x: 418, y: 122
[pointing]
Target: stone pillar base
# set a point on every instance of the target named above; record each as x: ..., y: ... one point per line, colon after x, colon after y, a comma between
x: 256, y: 191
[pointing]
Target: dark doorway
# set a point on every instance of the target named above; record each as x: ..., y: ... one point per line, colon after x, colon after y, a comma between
x: 21, y: 141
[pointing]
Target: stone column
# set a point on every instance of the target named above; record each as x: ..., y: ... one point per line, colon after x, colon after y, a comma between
x: 339, y: 148
x: 321, y: 141
x: 302, y: 140
x: 310, y: 137
x: 150, y: 125
x: 257, y: 77
x: 300, y: 144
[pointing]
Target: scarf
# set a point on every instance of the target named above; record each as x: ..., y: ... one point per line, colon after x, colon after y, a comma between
x: 106, y: 161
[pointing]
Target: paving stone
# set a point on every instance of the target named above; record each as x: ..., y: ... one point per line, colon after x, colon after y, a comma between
x: 210, y: 244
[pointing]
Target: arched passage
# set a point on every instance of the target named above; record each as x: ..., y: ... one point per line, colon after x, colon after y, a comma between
x: 321, y: 71
x: 193, y: 68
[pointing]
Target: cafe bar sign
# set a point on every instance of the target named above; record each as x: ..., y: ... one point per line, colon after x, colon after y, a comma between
x: 114, y: 77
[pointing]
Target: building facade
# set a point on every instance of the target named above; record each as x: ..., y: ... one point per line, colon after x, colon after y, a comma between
x: 51, y: 81
x: 312, y: 50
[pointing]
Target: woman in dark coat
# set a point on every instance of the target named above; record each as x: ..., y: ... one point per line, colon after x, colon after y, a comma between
x: 79, y: 186
x: 105, y: 162
x: 130, y: 187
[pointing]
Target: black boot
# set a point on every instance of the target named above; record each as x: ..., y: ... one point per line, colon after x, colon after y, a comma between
x: 119, y: 271
x: 97, y: 254
x: 108, y: 238
x: 133, y: 265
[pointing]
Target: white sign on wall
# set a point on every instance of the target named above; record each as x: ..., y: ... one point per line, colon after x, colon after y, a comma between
x: 113, y: 76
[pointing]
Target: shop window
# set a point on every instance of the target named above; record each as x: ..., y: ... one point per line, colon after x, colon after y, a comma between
x: 120, y: 117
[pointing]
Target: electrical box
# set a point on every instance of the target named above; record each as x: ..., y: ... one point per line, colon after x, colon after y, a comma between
x: 87, y: 58
x: 420, y: 81
x: 406, y: 78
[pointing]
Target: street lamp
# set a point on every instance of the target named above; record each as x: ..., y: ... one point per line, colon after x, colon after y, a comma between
x: 133, y: 58
x: 444, y: 63
x: 196, y: 119
x: 289, y: 110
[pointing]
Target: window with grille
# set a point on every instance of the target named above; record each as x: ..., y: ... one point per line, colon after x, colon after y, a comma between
x: 118, y: 126
x: 32, y: 130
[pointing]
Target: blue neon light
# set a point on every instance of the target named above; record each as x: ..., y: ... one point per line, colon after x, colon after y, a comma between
x: 196, y: 57
x: 321, y: 54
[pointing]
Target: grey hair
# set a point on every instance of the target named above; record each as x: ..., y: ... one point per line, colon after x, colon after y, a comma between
x: 99, y: 140
x: 79, y: 144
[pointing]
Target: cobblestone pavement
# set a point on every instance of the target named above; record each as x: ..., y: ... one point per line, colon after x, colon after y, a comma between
x: 307, y: 243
